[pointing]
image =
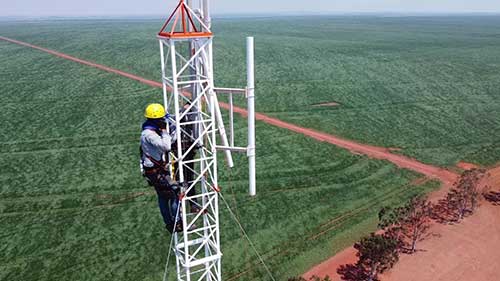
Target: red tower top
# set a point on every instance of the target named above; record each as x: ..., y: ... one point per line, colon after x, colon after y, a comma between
x: 184, y: 23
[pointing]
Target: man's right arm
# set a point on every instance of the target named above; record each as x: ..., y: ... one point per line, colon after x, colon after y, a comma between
x: 162, y: 142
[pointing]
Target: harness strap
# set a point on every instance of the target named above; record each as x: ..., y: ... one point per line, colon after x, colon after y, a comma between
x: 156, y: 162
x: 159, y: 164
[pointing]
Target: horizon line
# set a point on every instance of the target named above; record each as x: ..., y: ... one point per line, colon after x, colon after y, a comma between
x: 260, y: 14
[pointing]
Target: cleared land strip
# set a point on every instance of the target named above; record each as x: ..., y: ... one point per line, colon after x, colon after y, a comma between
x: 447, y: 177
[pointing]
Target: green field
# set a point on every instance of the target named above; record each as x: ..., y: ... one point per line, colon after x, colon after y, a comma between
x: 74, y: 207
x: 427, y: 85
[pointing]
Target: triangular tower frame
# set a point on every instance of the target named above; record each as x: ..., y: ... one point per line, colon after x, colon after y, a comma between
x: 184, y: 23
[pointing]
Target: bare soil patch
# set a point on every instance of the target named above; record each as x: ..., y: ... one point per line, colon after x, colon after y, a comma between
x: 329, y: 267
x: 326, y: 104
x: 467, y: 166
x: 420, y: 181
x: 461, y: 252
x: 493, y: 179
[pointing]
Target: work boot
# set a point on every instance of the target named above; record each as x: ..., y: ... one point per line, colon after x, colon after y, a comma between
x: 178, y: 227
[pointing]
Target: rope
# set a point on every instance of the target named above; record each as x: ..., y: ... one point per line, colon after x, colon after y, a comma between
x: 248, y: 238
x: 165, y: 273
x: 235, y: 204
x: 230, y: 186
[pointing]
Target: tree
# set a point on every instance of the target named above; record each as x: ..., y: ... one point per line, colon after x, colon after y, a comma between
x: 407, y: 224
x: 493, y: 197
x: 376, y: 254
x: 390, y: 223
x: 464, y: 197
x: 416, y: 221
x: 353, y: 272
x: 457, y: 203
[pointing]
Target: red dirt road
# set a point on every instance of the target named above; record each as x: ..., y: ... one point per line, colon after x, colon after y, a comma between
x: 443, y: 175
x: 88, y: 63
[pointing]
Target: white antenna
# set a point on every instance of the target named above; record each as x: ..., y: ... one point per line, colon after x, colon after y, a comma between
x: 188, y: 88
x: 251, y: 115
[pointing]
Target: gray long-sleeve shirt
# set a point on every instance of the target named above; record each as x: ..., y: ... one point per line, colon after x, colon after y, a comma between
x: 155, y: 146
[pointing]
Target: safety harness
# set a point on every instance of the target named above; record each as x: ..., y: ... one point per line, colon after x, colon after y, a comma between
x: 158, y: 166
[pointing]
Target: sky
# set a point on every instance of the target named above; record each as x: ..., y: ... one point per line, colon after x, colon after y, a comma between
x: 227, y: 7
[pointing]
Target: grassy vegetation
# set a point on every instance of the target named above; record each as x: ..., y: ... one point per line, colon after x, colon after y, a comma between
x: 74, y: 207
x: 427, y: 85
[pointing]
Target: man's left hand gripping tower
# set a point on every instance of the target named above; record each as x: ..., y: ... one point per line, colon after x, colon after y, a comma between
x: 188, y: 88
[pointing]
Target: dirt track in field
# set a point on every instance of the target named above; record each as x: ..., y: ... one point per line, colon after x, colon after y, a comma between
x: 447, y: 177
x: 88, y: 63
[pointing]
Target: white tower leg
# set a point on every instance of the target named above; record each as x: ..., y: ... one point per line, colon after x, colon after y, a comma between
x: 197, y: 248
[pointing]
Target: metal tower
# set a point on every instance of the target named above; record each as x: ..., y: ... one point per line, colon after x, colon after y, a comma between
x: 190, y: 98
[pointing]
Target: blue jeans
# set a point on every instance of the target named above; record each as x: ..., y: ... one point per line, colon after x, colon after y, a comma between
x: 168, y: 201
x: 168, y: 209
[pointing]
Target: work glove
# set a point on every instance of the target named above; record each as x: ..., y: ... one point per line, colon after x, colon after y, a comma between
x: 175, y: 187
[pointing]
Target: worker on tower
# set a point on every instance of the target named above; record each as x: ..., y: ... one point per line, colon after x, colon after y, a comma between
x: 155, y: 145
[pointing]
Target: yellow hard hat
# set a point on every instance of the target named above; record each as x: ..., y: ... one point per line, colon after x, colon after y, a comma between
x: 154, y: 111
